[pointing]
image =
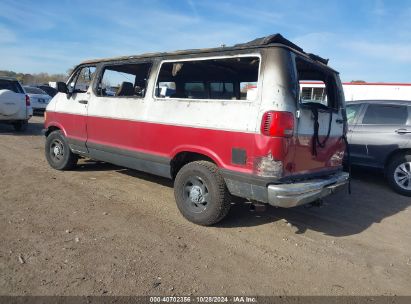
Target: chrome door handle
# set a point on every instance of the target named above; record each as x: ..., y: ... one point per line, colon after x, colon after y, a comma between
x: 339, y: 121
x: 83, y: 101
x: 402, y: 131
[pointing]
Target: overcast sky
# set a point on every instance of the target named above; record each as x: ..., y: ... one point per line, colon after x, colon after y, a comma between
x: 368, y: 40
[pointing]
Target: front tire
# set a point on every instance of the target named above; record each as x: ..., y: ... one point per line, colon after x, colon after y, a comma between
x: 58, y: 153
x: 399, y: 174
x: 201, y: 193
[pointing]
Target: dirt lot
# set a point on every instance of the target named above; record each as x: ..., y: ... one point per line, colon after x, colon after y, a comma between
x: 102, y: 229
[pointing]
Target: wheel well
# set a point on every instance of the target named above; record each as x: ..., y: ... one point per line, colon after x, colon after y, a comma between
x: 395, y: 154
x: 51, y: 129
x: 184, y: 158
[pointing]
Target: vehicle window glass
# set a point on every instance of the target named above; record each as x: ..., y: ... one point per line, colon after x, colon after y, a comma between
x: 195, y: 90
x: 317, y: 85
x: 165, y: 89
x: 124, y: 80
x: 352, y: 111
x: 248, y: 90
x: 82, y: 79
x: 32, y: 90
x: 10, y: 85
x: 49, y: 90
x: 222, y: 90
x: 227, y: 79
x: 385, y: 115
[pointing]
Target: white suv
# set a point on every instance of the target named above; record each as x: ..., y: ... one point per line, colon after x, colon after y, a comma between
x: 15, y: 106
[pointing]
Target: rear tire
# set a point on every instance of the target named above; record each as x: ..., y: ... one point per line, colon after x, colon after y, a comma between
x: 201, y: 193
x: 20, y: 126
x: 58, y: 153
x: 399, y: 174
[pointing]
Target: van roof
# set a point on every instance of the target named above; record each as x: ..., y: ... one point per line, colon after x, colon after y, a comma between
x: 268, y: 41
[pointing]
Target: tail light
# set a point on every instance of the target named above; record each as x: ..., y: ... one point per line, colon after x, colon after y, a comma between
x: 27, y: 101
x: 277, y: 124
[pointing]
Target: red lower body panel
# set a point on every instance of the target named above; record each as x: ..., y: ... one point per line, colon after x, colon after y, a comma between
x: 169, y: 140
x: 328, y: 157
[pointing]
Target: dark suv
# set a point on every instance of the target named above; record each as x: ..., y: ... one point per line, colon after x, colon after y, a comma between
x: 379, y: 134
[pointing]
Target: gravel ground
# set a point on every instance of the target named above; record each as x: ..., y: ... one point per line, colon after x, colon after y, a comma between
x: 102, y: 229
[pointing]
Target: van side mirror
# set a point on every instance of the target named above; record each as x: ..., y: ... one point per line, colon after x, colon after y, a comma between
x: 62, y: 87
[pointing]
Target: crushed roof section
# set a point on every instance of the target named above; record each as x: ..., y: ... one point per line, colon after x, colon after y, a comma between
x: 271, y: 40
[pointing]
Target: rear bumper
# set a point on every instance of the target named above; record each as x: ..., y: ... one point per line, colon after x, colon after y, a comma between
x: 39, y: 106
x: 291, y: 195
x: 285, y: 194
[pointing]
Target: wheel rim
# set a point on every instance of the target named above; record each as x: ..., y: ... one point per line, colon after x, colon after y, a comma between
x: 196, y: 195
x: 56, y: 150
x: 402, y: 175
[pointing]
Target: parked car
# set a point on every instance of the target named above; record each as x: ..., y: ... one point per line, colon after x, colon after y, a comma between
x: 211, y: 136
x: 39, y: 99
x: 380, y: 137
x: 46, y: 88
x: 15, y: 106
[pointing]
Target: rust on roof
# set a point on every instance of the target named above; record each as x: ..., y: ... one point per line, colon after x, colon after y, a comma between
x: 275, y: 40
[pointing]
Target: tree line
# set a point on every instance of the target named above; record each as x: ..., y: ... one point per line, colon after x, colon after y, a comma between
x: 37, y: 78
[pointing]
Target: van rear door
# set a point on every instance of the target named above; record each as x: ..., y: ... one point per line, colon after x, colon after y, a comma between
x: 319, y: 144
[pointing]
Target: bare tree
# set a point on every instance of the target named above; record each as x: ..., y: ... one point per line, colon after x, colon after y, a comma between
x: 39, y: 78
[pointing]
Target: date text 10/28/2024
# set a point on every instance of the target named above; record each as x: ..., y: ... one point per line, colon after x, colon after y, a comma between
x: 205, y: 299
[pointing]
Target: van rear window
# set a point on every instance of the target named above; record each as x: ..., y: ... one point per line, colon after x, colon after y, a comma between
x: 317, y: 85
x: 223, y: 79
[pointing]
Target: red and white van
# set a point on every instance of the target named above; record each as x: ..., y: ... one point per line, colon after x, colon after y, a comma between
x: 220, y: 122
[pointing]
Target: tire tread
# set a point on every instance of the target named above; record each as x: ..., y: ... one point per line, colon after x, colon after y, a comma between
x: 72, y: 158
x: 223, y: 199
x: 392, y: 165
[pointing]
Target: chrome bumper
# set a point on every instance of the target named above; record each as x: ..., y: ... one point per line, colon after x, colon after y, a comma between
x: 291, y: 195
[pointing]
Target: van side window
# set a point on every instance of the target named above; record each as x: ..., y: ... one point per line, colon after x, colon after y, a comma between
x: 195, y: 90
x: 82, y: 79
x: 221, y: 90
x: 165, y: 89
x: 317, y: 85
x: 124, y: 80
x: 224, y: 79
x: 248, y: 90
